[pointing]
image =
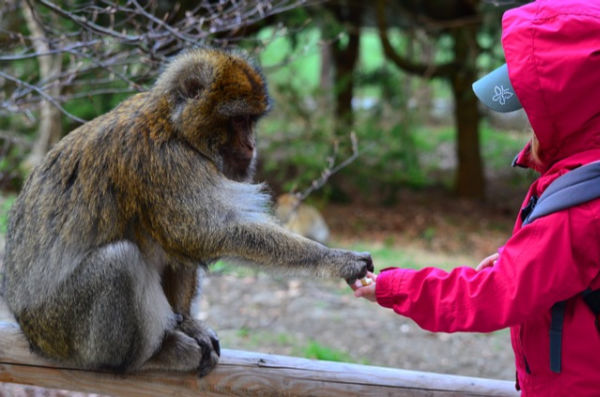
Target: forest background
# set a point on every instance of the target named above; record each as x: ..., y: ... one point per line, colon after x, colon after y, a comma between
x: 386, y: 84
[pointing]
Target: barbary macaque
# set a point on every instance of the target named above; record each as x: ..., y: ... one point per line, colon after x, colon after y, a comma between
x: 109, y: 232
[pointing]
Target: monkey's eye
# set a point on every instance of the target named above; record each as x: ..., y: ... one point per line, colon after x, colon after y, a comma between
x: 240, y: 121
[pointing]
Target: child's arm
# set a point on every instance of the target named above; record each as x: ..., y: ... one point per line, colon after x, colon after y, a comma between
x: 365, y: 288
x: 543, y: 263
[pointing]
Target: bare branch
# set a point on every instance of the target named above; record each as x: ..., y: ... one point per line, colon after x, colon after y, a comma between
x: 37, y: 54
x: 17, y: 140
x: 111, y: 42
x: 43, y: 94
x: 85, y: 23
x: 331, y: 169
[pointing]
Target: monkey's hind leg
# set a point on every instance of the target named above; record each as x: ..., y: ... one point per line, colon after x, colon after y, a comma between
x: 117, y: 315
x: 114, y: 310
x: 179, y: 283
x: 160, y: 343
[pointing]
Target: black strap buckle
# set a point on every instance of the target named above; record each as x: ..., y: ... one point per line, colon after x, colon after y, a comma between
x: 525, y: 211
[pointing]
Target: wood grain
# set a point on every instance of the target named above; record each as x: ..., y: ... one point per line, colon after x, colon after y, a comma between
x: 241, y: 373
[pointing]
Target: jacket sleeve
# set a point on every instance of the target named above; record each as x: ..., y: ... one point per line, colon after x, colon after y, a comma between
x: 549, y: 260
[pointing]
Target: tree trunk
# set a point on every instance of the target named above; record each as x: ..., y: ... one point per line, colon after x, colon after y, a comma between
x: 470, y: 182
x: 50, y: 117
x: 344, y: 59
x: 325, y: 73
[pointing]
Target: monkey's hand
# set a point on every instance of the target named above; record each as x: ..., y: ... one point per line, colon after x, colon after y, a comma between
x: 354, y: 265
x: 207, y: 340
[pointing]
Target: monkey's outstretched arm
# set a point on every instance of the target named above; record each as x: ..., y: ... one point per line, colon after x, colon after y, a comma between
x: 266, y: 243
x: 271, y: 245
x: 202, y: 216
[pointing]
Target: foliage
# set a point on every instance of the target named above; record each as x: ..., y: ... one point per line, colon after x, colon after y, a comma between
x: 11, y: 176
x: 80, y: 58
x: 399, y: 147
x: 5, y: 204
x: 114, y: 47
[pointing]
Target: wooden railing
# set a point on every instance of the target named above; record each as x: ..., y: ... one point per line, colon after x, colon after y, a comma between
x: 241, y: 373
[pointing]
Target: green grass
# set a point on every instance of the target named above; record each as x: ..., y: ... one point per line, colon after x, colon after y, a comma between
x: 317, y: 351
x: 224, y: 267
x: 255, y: 338
x: 386, y: 256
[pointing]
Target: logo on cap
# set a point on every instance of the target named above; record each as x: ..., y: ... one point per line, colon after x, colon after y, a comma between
x: 501, y: 94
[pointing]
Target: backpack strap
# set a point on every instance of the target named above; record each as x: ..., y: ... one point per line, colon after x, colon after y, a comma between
x: 575, y: 187
x: 556, y: 330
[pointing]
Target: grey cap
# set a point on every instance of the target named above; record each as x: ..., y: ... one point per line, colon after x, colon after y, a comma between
x: 496, y: 92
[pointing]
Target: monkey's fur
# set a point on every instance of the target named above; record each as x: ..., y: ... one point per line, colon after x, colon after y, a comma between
x: 107, y: 235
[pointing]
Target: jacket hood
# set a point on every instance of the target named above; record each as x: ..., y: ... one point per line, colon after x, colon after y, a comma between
x: 552, y: 49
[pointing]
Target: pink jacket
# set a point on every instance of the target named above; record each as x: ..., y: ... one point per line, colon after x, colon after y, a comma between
x: 552, y: 49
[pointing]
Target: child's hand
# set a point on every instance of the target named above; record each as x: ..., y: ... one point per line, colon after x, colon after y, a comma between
x: 488, y: 262
x: 365, y: 291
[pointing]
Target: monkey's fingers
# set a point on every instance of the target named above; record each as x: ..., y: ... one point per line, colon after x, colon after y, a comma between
x: 216, y: 344
x: 370, y: 266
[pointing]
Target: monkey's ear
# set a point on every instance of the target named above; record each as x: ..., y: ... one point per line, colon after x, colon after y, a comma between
x: 190, y: 88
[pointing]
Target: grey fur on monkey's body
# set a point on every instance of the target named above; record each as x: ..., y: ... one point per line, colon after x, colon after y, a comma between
x: 106, y: 237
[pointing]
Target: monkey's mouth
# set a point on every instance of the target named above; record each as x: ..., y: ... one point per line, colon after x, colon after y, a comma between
x: 239, y: 165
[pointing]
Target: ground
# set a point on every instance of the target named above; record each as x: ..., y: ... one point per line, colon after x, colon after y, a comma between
x: 308, y: 317
x: 253, y: 310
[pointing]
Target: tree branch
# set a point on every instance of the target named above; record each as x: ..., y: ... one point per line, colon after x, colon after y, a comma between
x: 84, y: 23
x: 331, y: 168
x: 43, y: 94
x: 425, y: 70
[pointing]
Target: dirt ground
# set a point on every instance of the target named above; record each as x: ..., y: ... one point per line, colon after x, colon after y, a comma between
x: 282, y: 315
x: 271, y: 313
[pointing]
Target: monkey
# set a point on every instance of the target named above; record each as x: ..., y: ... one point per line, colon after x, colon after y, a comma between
x: 301, y: 218
x: 109, y: 232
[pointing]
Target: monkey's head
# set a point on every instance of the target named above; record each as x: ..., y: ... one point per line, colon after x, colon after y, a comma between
x: 215, y: 99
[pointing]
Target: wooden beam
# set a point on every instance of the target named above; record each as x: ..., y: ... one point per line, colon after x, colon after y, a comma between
x: 241, y: 373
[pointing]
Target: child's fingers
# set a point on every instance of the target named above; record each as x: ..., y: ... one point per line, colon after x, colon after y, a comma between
x: 366, y: 292
x: 487, y: 262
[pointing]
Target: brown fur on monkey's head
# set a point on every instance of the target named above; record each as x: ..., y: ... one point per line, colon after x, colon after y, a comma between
x: 214, y: 99
x: 206, y: 87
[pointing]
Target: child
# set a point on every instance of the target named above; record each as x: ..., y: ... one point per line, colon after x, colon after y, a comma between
x: 552, y: 50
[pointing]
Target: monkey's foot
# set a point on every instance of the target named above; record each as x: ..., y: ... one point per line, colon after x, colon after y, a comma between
x: 207, y: 340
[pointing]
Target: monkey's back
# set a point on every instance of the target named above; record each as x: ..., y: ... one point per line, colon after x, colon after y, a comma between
x: 74, y: 201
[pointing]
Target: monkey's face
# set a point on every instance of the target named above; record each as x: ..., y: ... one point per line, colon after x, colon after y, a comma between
x: 218, y: 98
x: 239, y: 151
